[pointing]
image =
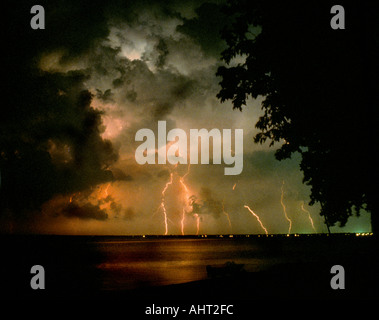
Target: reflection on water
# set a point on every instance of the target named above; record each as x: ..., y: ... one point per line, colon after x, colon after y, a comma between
x: 106, y: 267
x: 84, y: 265
x: 130, y: 264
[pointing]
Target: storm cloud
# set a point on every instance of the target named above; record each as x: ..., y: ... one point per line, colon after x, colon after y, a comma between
x: 77, y: 93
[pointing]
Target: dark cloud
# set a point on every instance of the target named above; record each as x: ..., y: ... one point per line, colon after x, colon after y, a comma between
x: 50, y: 140
x: 87, y: 211
x: 120, y: 175
x: 183, y: 88
x: 123, y: 65
x: 161, y: 52
x: 130, y: 95
x: 129, y: 213
x: 116, y: 208
x: 205, y: 28
x: 105, y: 96
x: 165, y: 174
x: 206, y: 203
x: 71, y: 207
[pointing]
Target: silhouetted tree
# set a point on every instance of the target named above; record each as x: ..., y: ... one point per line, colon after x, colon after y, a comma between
x: 319, y: 89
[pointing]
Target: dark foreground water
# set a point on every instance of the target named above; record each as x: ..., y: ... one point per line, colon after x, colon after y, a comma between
x: 85, y: 267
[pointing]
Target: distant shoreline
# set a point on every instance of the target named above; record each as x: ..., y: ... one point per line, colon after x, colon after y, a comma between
x: 206, y: 236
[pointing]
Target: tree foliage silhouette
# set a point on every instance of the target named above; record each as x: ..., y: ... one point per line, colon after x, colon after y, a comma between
x: 319, y: 93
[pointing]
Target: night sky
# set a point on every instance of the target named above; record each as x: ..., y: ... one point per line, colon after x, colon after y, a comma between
x: 77, y: 92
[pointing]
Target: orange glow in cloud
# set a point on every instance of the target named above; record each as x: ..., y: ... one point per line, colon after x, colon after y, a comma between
x: 113, y: 127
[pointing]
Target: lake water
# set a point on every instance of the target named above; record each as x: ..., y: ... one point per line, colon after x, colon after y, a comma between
x: 132, y: 264
x: 75, y: 264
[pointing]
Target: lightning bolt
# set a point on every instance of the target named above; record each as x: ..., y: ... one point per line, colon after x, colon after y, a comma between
x: 74, y: 196
x: 284, y: 209
x: 186, y: 206
x: 163, y: 203
x: 257, y: 217
x: 197, y: 223
x: 182, y: 221
x: 100, y: 195
x: 106, y: 191
x: 309, y: 215
x: 227, y: 215
x: 187, y: 197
